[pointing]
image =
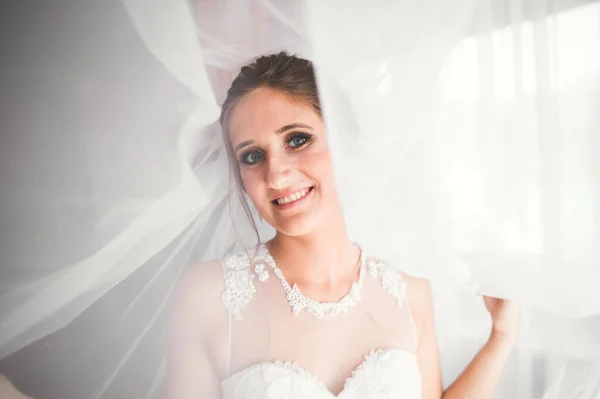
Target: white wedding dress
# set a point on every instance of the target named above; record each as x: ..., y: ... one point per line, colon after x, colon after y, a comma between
x: 284, y: 345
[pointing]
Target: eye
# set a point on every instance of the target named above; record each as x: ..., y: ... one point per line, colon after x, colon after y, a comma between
x: 251, y: 157
x: 298, y: 140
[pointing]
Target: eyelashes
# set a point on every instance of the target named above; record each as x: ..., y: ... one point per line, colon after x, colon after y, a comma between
x: 298, y: 140
x: 252, y: 157
x: 294, y: 142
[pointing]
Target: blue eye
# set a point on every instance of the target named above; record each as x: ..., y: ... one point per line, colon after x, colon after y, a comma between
x: 298, y: 140
x: 252, y: 157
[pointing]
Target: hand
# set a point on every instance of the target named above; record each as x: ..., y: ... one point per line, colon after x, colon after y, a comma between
x: 505, y: 317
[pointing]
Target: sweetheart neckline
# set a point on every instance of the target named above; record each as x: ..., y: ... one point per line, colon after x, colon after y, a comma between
x: 292, y: 365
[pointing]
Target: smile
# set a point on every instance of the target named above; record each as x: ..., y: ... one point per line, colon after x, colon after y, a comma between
x: 292, y: 199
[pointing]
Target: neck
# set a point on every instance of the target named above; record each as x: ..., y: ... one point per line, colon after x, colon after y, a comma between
x: 324, y: 256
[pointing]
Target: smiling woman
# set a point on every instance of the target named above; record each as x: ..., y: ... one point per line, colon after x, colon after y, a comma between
x: 285, y: 151
x: 283, y: 156
x: 308, y: 313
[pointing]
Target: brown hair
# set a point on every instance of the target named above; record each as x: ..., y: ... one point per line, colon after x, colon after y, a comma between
x: 289, y: 74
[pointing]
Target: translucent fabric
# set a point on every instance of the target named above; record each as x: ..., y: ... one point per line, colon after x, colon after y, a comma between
x: 371, y: 332
x: 463, y: 135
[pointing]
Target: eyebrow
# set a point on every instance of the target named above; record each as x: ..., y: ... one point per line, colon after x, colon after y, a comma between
x: 292, y: 126
x: 278, y: 131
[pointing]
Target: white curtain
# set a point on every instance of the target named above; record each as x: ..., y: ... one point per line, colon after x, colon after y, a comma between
x: 518, y: 144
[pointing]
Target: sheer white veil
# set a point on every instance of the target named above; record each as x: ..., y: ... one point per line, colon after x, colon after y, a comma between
x: 462, y: 132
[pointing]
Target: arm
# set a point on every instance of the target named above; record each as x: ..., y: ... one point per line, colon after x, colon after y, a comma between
x: 419, y: 299
x: 190, y: 372
x: 480, y: 378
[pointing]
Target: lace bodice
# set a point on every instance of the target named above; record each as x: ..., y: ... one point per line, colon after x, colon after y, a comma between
x: 385, y: 373
x: 267, y: 327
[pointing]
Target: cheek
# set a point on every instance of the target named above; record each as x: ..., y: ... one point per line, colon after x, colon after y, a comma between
x: 253, y: 182
x: 319, y: 165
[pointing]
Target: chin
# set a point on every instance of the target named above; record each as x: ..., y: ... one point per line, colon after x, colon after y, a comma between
x: 297, y: 225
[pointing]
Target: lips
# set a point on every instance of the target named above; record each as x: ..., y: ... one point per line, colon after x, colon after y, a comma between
x: 293, y: 196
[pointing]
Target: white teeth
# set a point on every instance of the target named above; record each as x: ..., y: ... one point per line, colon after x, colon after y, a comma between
x: 293, y: 197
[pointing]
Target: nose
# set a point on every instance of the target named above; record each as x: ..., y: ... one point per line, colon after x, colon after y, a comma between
x: 278, y: 172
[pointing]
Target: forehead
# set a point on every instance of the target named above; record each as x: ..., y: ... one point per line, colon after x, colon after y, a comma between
x: 264, y: 111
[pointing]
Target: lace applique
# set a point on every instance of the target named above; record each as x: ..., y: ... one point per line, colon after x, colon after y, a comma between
x: 239, y: 284
x: 259, y: 269
x: 390, y: 371
x: 296, y: 369
x: 387, y: 372
x: 298, y: 301
x: 391, y: 278
x: 275, y: 380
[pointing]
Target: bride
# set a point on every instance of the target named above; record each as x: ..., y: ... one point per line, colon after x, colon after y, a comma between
x: 309, y: 313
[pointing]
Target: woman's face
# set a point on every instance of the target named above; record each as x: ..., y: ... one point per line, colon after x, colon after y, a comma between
x: 283, y: 156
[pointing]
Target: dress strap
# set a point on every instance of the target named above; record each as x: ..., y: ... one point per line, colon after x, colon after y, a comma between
x: 413, y: 328
x: 393, y: 282
x: 229, y: 337
x: 239, y: 291
x: 239, y: 283
x: 234, y: 296
x: 391, y: 279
